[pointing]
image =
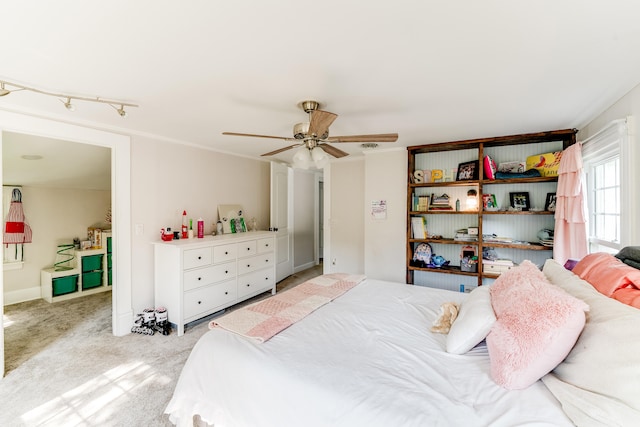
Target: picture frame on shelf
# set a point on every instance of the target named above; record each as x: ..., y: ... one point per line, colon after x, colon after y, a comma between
x: 468, y: 171
x: 519, y: 200
x: 550, y: 203
x: 489, y: 202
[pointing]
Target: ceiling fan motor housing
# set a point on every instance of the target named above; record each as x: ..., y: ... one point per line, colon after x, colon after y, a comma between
x: 301, y: 131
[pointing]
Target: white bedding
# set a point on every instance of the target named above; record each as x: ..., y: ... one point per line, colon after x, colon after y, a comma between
x: 365, y: 359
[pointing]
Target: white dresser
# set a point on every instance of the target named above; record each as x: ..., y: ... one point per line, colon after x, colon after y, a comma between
x: 197, y: 277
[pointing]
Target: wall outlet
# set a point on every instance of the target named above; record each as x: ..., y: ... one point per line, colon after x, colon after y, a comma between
x: 333, y: 261
x: 139, y: 229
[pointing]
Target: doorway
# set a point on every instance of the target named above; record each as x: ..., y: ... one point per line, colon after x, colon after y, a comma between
x: 122, y: 312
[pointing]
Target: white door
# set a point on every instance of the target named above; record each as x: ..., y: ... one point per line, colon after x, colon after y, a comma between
x: 281, y: 217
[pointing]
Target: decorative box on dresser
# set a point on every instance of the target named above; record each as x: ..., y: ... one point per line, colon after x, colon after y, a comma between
x: 197, y: 277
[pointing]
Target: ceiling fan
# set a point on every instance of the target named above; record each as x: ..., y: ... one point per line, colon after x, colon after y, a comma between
x: 315, y: 133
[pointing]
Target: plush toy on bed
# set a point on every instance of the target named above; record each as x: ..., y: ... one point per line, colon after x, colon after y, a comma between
x: 448, y: 313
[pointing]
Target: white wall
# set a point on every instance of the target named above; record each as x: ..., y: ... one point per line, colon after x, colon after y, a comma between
x: 167, y: 179
x: 627, y: 106
x: 304, y: 218
x: 56, y: 216
x: 343, y: 222
x: 385, y: 178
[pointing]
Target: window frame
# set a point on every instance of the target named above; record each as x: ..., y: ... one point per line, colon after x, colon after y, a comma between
x: 609, y: 144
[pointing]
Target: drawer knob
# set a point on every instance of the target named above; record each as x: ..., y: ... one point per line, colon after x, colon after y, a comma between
x: 226, y: 252
x: 267, y: 245
x: 226, y: 292
x: 226, y: 272
x: 199, y: 257
x: 248, y: 265
x: 266, y: 260
x: 248, y: 249
x: 248, y: 285
x: 199, y: 278
x: 199, y: 302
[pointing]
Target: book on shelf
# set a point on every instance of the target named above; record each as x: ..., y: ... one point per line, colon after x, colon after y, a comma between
x: 499, y: 261
x: 492, y: 238
x: 439, y: 203
x: 419, y: 227
x: 420, y: 203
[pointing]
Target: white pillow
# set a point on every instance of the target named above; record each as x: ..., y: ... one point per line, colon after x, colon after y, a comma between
x: 474, y: 321
x: 599, y: 381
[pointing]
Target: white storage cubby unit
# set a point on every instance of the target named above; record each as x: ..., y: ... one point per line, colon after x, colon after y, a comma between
x: 197, y: 277
x: 89, y: 274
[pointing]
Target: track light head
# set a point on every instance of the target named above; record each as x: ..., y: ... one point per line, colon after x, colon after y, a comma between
x: 121, y: 111
x: 68, y: 105
x: 3, y: 91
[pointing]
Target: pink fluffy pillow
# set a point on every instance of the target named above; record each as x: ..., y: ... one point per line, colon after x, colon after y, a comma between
x: 537, y: 325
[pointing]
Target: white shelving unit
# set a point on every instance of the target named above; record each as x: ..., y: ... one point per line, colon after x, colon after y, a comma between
x: 49, y: 275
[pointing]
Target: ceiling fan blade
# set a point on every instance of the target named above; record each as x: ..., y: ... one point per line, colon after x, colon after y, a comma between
x: 335, y: 152
x: 381, y: 137
x: 280, y: 150
x: 320, y: 122
x: 258, y: 136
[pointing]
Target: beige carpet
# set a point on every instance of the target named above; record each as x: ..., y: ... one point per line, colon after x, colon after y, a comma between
x: 65, y: 368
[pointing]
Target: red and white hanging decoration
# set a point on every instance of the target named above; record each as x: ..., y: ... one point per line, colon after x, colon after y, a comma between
x: 16, y: 229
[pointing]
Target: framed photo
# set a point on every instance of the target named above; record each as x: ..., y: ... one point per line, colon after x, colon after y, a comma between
x: 550, y: 203
x: 489, y: 202
x: 468, y: 171
x: 520, y: 200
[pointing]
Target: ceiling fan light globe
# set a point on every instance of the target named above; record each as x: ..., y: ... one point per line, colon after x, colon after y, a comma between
x: 318, y: 154
x: 302, y: 159
x: 320, y: 164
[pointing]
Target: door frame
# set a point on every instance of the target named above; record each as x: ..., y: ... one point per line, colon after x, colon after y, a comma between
x: 120, y: 204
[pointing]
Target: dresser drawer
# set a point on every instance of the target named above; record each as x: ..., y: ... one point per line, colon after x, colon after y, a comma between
x: 247, y: 249
x: 193, y: 258
x: 248, y: 265
x: 209, y: 297
x: 205, y: 276
x: 224, y: 253
x: 256, y: 281
x: 266, y: 245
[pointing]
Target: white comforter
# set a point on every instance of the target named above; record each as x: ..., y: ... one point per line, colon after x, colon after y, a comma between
x: 365, y: 359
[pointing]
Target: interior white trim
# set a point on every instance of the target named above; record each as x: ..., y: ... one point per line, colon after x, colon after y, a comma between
x: 120, y: 198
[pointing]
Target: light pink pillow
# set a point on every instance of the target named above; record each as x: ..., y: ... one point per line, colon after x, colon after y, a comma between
x: 537, y: 326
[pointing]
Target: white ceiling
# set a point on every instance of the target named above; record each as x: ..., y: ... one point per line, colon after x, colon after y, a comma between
x: 429, y: 70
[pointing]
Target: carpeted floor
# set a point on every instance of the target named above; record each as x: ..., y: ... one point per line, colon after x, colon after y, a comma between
x: 65, y: 368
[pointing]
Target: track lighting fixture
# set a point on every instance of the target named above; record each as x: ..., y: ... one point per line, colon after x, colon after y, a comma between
x: 68, y: 104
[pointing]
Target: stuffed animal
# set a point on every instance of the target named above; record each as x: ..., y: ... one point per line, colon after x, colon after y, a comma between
x: 448, y: 313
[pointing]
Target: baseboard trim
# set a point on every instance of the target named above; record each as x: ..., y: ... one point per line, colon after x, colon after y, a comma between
x: 303, y: 267
x: 22, y: 295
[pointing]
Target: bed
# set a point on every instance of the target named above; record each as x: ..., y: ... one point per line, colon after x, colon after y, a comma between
x: 368, y: 358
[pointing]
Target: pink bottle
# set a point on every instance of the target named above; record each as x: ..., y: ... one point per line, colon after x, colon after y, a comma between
x: 200, y: 228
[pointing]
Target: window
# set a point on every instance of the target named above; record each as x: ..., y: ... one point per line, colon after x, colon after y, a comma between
x: 604, y: 169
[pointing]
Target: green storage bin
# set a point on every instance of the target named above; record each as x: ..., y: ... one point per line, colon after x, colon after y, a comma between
x: 91, y: 263
x: 109, y: 278
x: 109, y: 250
x: 108, y: 260
x: 91, y: 280
x: 64, y: 285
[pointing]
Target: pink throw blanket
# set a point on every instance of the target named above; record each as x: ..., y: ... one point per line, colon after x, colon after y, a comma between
x: 264, y: 319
